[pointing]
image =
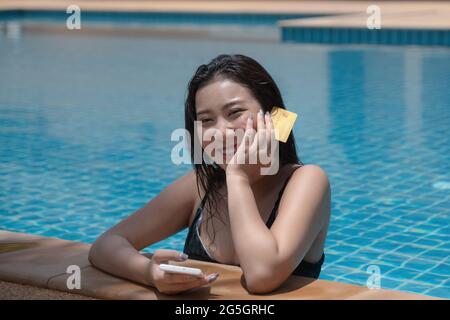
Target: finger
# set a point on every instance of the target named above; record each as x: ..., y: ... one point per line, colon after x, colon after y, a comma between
x: 249, y: 124
x: 198, y: 283
x: 164, y: 255
x: 269, y: 123
x: 269, y: 131
x: 262, y: 141
x: 260, y: 121
x: 180, y: 278
x: 249, y: 132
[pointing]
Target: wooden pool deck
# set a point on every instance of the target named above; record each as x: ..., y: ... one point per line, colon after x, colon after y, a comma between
x: 35, y: 267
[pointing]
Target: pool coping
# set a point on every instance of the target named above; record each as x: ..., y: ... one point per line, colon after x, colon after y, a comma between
x: 15, y: 291
x: 42, y: 262
x: 220, y: 6
x: 325, y: 14
x: 426, y: 27
x: 329, y: 22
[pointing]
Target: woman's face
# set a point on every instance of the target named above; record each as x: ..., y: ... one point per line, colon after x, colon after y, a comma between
x: 224, y: 106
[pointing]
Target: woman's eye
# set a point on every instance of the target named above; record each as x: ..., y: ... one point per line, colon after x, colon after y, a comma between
x: 206, y: 120
x: 235, y: 112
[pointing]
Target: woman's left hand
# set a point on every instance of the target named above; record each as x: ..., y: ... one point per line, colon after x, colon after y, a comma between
x: 257, y: 150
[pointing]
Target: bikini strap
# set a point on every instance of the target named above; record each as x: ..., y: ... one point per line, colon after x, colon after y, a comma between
x: 277, y: 202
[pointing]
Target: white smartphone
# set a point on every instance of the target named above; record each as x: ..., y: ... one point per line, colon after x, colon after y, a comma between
x: 182, y: 270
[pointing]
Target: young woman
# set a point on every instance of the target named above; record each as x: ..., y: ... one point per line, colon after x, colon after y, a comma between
x: 272, y: 226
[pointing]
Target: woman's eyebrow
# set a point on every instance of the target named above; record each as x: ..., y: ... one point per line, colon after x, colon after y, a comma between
x: 202, y: 112
x: 232, y: 103
x: 225, y: 106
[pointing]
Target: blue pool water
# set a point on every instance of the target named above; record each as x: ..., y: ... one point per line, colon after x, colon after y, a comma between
x: 85, y: 124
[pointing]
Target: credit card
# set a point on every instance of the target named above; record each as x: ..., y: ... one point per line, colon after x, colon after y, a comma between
x: 283, y: 121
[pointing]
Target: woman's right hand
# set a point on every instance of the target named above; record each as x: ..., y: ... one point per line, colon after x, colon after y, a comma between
x: 171, y: 283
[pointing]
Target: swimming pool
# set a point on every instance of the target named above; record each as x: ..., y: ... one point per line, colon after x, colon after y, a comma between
x: 85, y: 124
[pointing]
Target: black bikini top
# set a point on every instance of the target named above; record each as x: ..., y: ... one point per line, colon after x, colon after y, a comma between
x: 195, y: 249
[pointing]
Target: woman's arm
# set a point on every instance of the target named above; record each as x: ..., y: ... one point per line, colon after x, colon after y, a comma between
x: 268, y: 257
x: 117, y: 250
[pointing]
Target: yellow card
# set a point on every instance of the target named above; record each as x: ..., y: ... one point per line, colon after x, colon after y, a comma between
x: 283, y: 121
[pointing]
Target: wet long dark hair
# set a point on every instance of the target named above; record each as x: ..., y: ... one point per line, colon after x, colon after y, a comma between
x: 250, y: 74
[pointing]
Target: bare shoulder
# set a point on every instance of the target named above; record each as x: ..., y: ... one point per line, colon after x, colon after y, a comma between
x: 309, y: 184
x: 185, y: 186
x: 186, y: 180
x: 312, y: 175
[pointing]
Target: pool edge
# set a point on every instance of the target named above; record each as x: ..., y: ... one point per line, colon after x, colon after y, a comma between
x: 45, y: 266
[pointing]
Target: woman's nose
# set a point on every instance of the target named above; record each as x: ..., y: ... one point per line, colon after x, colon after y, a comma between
x: 225, y: 127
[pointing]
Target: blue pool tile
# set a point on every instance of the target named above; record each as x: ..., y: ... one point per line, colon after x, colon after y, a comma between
x: 427, y: 242
x: 401, y: 238
x: 402, y: 273
x: 391, y: 284
x: 442, y: 268
x: 386, y: 245
x: 414, y: 287
x: 346, y: 249
x: 359, y: 276
x: 432, y: 278
x: 360, y: 241
x: 348, y: 279
x: 435, y: 254
x: 354, y: 263
x: 392, y: 258
x: 369, y: 254
x: 417, y: 263
x: 376, y: 235
x: 336, y: 270
x: 437, y: 292
x: 411, y: 249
